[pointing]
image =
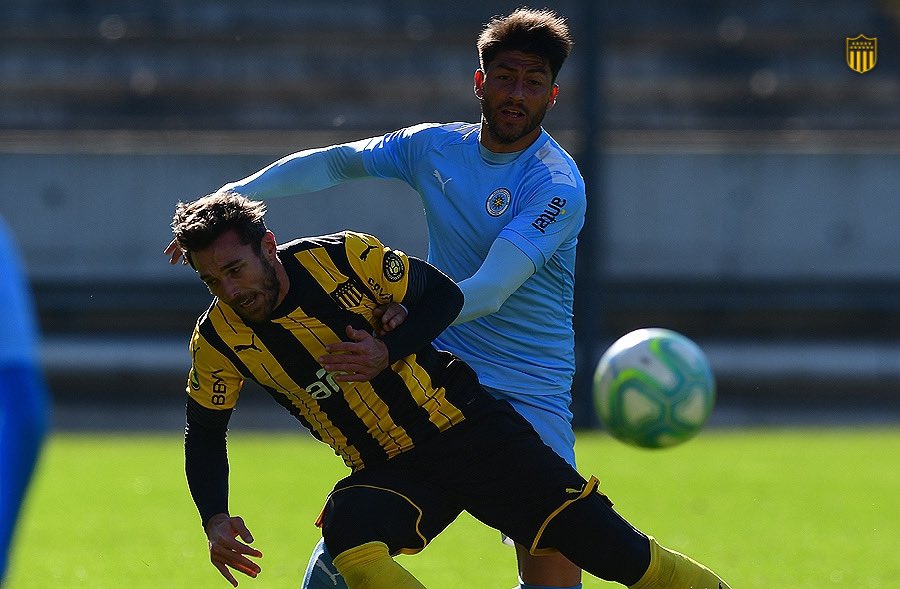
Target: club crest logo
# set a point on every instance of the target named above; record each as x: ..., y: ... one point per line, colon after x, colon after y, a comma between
x: 393, y: 267
x: 861, y: 53
x: 348, y: 295
x: 497, y: 202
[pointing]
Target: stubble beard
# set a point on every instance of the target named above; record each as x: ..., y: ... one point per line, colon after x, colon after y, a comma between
x: 268, y: 293
x: 506, y: 137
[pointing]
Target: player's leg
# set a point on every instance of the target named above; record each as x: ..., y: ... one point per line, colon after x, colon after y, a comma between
x: 321, y: 572
x: 23, y: 424
x: 549, y: 571
x: 555, y: 508
x: 591, y: 533
x: 354, y: 526
x: 672, y: 570
x: 370, y: 566
x: 551, y: 418
x: 379, y: 512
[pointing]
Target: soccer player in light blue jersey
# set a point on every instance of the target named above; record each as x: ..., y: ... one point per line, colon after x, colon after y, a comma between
x: 504, y: 204
x: 23, y: 398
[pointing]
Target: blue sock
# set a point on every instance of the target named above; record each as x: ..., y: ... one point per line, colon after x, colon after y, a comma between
x: 320, y: 572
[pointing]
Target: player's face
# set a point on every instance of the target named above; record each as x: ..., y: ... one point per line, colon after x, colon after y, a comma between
x: 245, y: 281
x: 515, y: 90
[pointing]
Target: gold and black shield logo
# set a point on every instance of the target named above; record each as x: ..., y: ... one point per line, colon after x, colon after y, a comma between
x: 862, y: 53
x: 348, y: 295
x: 393, y: 267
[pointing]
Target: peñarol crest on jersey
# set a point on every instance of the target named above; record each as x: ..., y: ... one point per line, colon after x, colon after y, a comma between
x: 862, y: 53
x: 393, y: 267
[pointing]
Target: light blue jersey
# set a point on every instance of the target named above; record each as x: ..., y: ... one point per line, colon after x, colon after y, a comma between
x: 472, y: 196
x: 534, y: 199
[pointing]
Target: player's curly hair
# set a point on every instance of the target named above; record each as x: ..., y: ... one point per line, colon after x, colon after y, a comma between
x: 198, y: 223
x: 540, y: 32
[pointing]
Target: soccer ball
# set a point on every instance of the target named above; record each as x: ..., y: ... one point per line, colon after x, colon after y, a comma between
x: 654, y: 388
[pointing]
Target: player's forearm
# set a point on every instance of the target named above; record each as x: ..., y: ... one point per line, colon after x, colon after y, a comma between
x: 305, y: 171
x: 206, y: 460
x: 503, y: 271
x: 432, y: 301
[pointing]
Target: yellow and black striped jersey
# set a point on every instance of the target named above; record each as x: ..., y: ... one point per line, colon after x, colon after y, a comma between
x: 335, y: 280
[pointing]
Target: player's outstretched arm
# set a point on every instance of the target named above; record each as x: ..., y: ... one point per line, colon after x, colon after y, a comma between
x: 226, y: 551
x: 306, y: 171
x: 503, y: 271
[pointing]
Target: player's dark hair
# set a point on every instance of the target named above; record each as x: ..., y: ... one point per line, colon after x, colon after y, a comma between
x: 539, y: 32
x: 198, y: 223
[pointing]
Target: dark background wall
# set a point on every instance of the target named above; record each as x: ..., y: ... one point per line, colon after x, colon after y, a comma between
x: 743, y: 180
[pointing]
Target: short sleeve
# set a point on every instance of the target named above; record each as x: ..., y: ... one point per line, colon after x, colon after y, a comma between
x: 547, y: 221
x: 213, y: 381
x: 384, y: 270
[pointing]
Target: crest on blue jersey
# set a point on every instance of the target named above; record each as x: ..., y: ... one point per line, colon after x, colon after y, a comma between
x: 498, y: 202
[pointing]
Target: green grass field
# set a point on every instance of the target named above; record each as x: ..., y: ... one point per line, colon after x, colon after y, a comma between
x: 802, y: 508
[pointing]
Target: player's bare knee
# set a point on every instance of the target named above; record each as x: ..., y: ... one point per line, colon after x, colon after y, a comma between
x: 549, y: 570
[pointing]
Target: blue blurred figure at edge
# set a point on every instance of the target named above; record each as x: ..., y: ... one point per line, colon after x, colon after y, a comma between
x: 23, y: 395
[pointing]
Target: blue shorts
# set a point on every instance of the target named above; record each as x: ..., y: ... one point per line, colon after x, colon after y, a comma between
x: 549, y: 415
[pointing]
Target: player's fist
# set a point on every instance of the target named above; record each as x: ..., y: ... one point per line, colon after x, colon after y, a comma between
x: 389, y: 316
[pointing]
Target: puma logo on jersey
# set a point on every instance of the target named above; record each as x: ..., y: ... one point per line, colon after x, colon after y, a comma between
x: 567, y: 174
x: 251, y: 346
x: 366, y: 251
x: 443, y: 182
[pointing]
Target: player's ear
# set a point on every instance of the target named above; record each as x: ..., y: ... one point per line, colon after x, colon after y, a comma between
x: 553, y: 94
x: 479, y: 84
x: 269, y: 245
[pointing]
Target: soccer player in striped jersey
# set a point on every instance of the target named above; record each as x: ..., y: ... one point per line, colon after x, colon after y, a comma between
x: 504, y: 203
x: 423, y: 440
x: 23, y: 396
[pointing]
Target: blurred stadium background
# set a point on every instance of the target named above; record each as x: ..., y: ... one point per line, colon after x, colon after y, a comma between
x: 743, y: 181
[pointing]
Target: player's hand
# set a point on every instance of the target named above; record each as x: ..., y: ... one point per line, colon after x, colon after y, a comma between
x: 174, y: 252
x: 358, y: 360
x: 225, y: 550
x: 391, y: 316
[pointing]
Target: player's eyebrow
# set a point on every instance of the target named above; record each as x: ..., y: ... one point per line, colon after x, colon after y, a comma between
x: 206, y: 277
x: 536, y: 69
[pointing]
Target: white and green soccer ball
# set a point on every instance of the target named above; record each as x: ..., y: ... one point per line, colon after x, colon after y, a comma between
x: 654, y: 388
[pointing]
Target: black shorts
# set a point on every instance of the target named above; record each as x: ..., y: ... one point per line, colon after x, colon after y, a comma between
x: 493, y: 465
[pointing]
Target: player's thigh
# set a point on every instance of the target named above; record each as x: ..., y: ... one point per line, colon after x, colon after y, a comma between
x: 510, y: 479
x: 389, y: 504
x: 550, y: 416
